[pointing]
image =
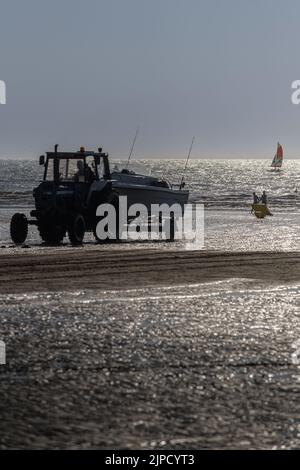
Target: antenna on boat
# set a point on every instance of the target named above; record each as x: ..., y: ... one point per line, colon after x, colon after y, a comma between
x: 132, y: 146
x: 163, y: 175
x: 186, y: 163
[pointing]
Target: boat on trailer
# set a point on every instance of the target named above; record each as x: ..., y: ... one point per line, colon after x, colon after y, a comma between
x: 75, y: 184
x: 147, y: 189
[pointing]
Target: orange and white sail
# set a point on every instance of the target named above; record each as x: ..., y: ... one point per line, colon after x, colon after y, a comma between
x: 277, y: 160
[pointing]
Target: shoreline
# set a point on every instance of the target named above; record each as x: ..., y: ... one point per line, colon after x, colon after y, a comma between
x: 117, y: 269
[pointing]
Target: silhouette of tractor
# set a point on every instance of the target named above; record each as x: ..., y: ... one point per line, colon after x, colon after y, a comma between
x: 73, y: 186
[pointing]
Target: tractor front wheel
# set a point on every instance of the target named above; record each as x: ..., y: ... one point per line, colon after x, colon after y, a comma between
x: 18, y: 228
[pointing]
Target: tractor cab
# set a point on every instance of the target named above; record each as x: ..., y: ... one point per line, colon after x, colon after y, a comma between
x: 75, y: 167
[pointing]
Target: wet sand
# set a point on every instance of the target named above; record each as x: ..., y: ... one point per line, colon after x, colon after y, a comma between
x: 176, y: 367
x: 193, y: 367
x: 89, y: 268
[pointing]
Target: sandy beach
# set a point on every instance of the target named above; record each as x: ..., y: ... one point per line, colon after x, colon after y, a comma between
x: 137, y: 349
x: 121, y: 346
x: 92, y: 268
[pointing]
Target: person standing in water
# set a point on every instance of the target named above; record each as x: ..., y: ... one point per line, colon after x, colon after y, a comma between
x: 255, y: 198
x: 263, y: 198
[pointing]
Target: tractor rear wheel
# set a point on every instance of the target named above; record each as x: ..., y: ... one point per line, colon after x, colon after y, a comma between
x: 51, y: 233
x: 18, y: 228
x: 76, y: 229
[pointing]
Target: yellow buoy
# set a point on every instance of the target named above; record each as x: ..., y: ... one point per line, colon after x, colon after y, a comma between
x: 260, y: 210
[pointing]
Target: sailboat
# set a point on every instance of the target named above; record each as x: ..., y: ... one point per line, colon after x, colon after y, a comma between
x: 278, y: 157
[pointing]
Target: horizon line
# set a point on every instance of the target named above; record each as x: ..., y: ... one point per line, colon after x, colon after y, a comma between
x: 157, y: 157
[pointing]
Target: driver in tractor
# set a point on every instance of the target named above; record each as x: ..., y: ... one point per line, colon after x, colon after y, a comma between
x: 84, y: 172
x: 89, y: 174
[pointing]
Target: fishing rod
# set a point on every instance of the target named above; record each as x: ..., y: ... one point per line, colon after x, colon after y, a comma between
x: 186, y: 163
x: 163, y: 175
x: 132, y: 146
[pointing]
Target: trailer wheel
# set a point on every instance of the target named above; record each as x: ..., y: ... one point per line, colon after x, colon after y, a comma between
x: 172, y: 229
x: 18, y: 228
x: 76, y: 229
x: 172, y: 223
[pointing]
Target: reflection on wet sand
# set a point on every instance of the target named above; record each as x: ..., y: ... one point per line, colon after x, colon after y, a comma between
x: 195, y: 366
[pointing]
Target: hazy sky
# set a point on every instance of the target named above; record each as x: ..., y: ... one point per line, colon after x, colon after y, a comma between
x: 88, y: 72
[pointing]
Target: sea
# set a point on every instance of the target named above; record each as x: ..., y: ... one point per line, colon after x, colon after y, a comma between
x: 199, y: 366
x: 225, y: 188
